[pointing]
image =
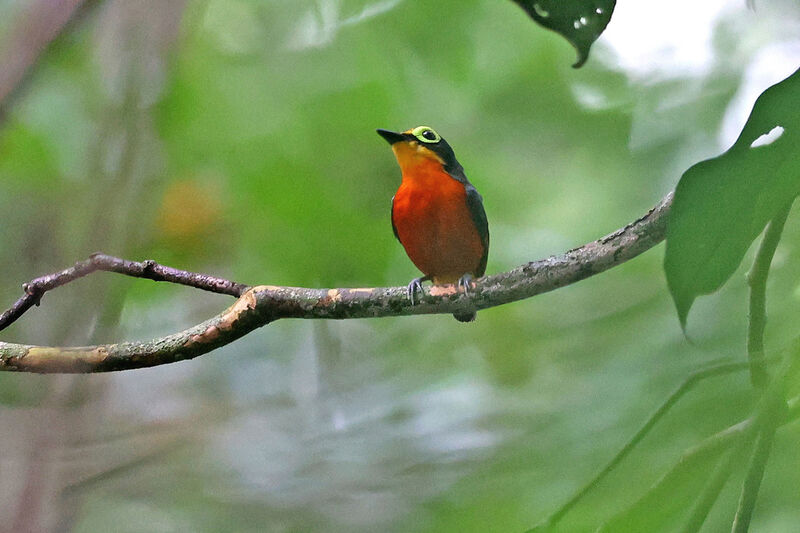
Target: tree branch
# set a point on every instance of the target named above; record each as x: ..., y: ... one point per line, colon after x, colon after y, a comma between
x: 258, y: 306
x: 35, y: 289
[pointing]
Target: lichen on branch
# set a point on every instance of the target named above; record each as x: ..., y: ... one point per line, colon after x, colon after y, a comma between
x: 258, y: 306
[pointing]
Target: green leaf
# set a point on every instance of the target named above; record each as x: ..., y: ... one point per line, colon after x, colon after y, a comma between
x: 671, y: 498
x: 579, y: 21
x: 722, y: 204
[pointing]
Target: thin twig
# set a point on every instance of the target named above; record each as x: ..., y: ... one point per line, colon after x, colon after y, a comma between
x: 35, y: 289
x: 156, y: 454
x: 757, y: 279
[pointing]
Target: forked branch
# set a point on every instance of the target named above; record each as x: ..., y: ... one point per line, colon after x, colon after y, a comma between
x: 260, y: 305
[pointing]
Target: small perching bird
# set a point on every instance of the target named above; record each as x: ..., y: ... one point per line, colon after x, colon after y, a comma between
x: 437, y: 214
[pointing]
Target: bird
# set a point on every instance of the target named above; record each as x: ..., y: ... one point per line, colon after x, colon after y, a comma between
x: 437, y: 214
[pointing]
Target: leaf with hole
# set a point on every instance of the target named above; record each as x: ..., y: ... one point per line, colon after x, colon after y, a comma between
x: 722, y: 204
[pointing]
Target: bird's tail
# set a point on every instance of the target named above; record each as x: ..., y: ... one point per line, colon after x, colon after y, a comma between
x: 465, y: 317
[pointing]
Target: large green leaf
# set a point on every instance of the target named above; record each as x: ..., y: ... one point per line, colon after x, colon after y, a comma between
x: 669, y: 501
x: 722, y: 204
x: 580, y: 21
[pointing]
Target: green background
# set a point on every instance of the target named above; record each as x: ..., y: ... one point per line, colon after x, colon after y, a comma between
x: 237, y: 138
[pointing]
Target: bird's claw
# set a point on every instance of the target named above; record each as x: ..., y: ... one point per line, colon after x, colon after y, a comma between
x: 465, y: 282
x: 413, y: 287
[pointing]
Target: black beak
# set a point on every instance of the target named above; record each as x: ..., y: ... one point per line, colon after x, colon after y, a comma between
x: 391, y: 136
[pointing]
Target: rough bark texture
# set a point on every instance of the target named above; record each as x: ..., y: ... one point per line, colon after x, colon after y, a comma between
x: 260, y: 305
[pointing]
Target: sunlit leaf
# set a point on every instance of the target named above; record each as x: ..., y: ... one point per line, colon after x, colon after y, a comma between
x: 722, y: 204
x: 580, y: 21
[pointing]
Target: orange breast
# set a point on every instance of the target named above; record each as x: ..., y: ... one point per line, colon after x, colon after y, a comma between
x: 434, y: 223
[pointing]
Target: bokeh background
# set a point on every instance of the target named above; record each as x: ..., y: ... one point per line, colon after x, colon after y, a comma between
x: 237, y: 138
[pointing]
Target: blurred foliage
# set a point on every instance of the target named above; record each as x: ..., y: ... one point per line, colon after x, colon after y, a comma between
x: 237, y: 138
x: 723, y: 204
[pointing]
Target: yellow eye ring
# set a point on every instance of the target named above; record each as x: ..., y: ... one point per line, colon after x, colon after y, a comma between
x: 426, y: 134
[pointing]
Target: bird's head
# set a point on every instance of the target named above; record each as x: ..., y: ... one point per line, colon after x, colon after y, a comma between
x: 420, y: 144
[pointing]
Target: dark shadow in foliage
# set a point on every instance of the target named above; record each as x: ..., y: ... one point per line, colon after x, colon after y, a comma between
x: 721, y: 205
x: 579, y: 21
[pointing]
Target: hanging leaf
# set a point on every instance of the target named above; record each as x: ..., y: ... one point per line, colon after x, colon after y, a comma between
x: 722, y: 204
x: 579, y: 21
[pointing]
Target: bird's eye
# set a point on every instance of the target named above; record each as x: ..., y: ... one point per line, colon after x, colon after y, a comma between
x: 426, y: 134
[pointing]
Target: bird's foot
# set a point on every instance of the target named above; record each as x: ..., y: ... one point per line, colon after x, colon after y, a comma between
x: 414, y: 286
x: 465, y: 282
